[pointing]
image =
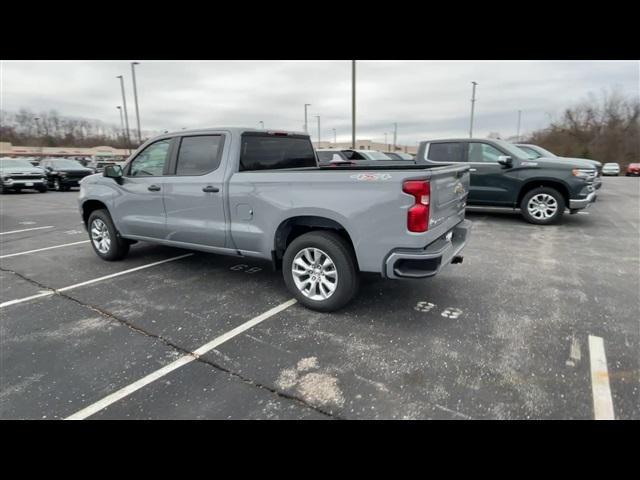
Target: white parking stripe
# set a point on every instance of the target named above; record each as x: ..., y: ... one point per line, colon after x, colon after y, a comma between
x: 89, y: 282
x: 43, y: 249
x: 185, y: 359
x: 25, y: 230
x: 602, y: 401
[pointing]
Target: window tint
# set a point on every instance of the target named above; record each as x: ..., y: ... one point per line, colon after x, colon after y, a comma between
x: 446, y: 152
x: 150, y: 163
x: 483, y: 152
x: 263, y: 152
x: 531, y: 153
x: 199, y: 155
x: 326, y: 156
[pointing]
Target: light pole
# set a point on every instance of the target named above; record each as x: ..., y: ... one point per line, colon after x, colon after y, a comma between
x: 261, y: 124
x: 135, y: 97
x: 395, y: 136
x: 306, y: 126
x: 126, y: 118
x: 318, y: 117
x: 519, y: 117
x: 121, y: 120
x: 386, y: 144
x: 334, y: 136
x: 38, y: 133
x: 353, y: 104
x: 473, y: 101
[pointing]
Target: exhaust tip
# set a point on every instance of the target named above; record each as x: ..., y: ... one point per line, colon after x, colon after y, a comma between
x: 457, y: 259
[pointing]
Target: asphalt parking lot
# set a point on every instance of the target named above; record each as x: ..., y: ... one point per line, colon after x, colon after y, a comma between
x: 512, y: 333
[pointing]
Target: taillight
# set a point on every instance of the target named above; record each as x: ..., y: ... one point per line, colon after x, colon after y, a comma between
x: 418, y: 214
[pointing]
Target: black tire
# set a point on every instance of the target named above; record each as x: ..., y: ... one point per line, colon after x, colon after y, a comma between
x: 57, y: 186
x: 340, y: 253
x: 118, y: 248
x: 557, y: 196
x: 42, y: 189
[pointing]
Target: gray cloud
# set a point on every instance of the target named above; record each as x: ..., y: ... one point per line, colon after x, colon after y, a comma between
x: 427, y: 98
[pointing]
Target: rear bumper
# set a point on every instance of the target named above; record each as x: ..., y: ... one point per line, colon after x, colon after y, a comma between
x: 584, y: 202
x: 427, y: 262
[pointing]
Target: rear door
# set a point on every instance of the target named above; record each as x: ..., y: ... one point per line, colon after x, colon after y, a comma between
x: 194, y: 191
x: 490, y: 182
x: 140, y: 207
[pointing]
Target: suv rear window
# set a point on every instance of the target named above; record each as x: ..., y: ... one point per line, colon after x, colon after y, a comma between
x: 446, y: 152
x: 262, y: 151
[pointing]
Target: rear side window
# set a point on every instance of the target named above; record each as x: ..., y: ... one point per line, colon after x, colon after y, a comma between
x: 446, y: 152
x: 267, y: 152
x: 199, y: 155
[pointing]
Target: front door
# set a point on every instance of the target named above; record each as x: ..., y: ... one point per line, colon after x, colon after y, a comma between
x: 490, y: 182
x: 194, y: 193
x: 140, y: 206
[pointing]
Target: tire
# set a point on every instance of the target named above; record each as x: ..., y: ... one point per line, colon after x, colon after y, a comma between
x: 117, y: 247
x: 533, y: 204
x: 323, y: 245
x: 42, y: 189
x: 56, y: 185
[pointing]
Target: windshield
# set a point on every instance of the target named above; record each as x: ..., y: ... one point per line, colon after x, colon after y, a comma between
x: 373, y: 155
x: 512, y: 149
x: 65, y: 163
x: 11, y: 163
x: 542, y: 152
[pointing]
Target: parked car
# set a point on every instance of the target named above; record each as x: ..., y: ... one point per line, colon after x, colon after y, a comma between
x: 536, y: 152
x: 17, y: 174
x: 502, y: 175
x: 633, y: 169
x: 63, y: 173
x: 332, y: 157
x: 399, y: 156
x: 365, y: 155
x: 611, y: 169
x: 257, y: 193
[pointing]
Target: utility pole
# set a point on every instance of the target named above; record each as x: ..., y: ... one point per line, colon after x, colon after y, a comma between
x: 519, y: 117
x: 135, y: 97
x: 121, y: 121
x: 306, y: 126
x: 318, y: 117
x: 386, y: 144
x: 395, y: 136
x: 334, y: 136
x: 473, y: 101
x: 38, y: 134
x: 126, y: 117
x: 353, y: 104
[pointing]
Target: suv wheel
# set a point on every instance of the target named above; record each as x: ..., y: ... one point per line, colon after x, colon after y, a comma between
x: 542, y: 206
x: 105, y: 240
x: 320, y: 270
x: 56, y: 185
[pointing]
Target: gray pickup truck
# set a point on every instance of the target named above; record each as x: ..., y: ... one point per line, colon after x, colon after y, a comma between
x: 258, y: 193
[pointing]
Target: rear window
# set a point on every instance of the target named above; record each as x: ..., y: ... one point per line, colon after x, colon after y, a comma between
x: 446, y: 152
x: 267, y: 152
x: 199, y: 155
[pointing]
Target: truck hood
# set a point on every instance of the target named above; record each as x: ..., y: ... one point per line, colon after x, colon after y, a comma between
x: 22, y: 171
x: 561, y: 162
x: 595, y: 163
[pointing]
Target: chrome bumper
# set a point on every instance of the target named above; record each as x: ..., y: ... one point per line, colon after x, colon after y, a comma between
x: 583, y: 203
x: 409, y: 263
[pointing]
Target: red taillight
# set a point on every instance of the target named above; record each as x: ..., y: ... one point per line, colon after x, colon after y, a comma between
x: 418, y: 214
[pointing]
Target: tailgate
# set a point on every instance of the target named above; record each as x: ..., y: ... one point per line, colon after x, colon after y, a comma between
x: 449, y: 190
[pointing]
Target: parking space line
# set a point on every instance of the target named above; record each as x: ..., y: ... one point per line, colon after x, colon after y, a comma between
x: 26, y: 230
x: 89, y: 282
x: 185, y: 359
x: 43, y: 249
x: 602, y: 401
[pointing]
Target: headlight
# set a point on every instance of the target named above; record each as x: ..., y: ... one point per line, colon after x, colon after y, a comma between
x: 583, y: 173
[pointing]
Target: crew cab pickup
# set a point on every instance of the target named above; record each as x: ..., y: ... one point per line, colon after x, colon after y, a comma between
x: 258, y: 193
x: 502, y: 175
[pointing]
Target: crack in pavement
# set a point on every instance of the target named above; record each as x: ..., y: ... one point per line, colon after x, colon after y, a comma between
x: 176, y: 347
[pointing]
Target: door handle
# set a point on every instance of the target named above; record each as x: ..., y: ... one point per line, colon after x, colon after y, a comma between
x: 210, y: 188
x: 473, y: 169
x: 153, y: 188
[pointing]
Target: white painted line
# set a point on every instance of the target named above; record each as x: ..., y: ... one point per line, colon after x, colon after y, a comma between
x: 602, y: 401
x: 25, y: 230
x: 185, y: 359
x: 43, y: 249
x: 89, y: 282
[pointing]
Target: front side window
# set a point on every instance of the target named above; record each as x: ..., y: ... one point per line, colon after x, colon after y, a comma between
x: 446, y: 152
x: 199, y: 155
x: 483, y: 152
x: 151, y: 162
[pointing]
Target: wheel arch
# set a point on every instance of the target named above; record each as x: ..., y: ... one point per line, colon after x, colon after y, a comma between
x: 556, y: 184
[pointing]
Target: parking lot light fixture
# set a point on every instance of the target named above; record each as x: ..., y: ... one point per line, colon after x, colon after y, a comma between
x: 135, y: 98
x: 473, y: 102
x: 121, y: 120
x: 306, y: 125
x: 126, y: 117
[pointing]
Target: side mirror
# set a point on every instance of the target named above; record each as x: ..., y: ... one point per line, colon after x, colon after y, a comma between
x: 113, y: 171
x: 505, y: 160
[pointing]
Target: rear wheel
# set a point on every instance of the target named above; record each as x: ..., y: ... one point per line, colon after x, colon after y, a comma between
x: 542, y: 206
x: 105, y: 240
x: 57, y: 186
x: 320, y: 270
x: 42, y: 189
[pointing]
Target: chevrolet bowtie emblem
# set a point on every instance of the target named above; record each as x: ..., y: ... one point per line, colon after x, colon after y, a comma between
x: 459, y: 188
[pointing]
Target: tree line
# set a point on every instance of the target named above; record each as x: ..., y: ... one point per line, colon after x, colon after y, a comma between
x: 604, y: 128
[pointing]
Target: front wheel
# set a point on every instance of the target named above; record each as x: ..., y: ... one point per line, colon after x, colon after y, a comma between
x: 105, y: 240
x: 320, y: 270
x: 542, y: 206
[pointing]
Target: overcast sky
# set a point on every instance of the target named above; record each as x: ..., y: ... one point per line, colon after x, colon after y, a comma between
x: 427, y: 99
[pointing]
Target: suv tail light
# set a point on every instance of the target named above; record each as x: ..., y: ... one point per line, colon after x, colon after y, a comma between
x: 418, y: 214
